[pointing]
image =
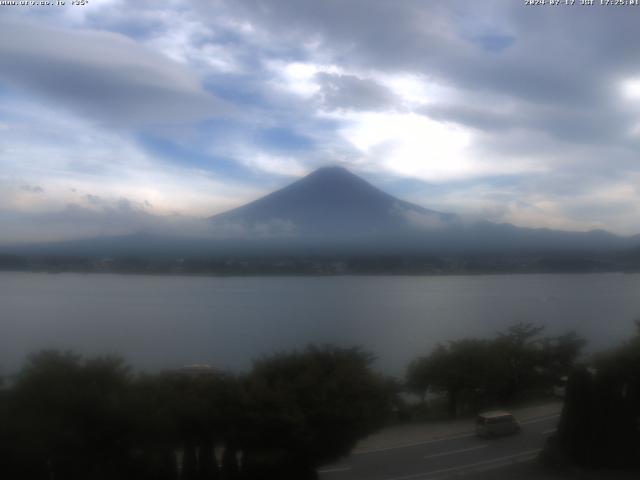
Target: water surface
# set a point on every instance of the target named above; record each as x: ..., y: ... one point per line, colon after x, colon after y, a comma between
x: 170, y: 321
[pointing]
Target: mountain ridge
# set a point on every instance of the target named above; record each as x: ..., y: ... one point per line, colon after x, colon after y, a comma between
x: 332, y: 201
x: 332, y: 211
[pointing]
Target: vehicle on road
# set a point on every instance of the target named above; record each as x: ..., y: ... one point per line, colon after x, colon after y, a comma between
x: 496, y: 423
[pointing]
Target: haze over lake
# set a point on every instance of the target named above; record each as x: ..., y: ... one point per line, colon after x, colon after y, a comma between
x: 169, y: 321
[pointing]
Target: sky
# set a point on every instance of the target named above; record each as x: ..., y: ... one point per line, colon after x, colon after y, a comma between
x: 123, y: 116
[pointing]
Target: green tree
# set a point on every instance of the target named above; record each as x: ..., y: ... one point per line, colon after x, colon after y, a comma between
x: 558, y: 356
x: 474, y: 372
x: 600, y: 421
x: 69, y: 417
x: 419, y: 377
x: 459, y: 370
x: 519, y: 349
x: 311, y: 407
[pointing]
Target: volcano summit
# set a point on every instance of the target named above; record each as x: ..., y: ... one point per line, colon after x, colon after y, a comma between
x: 333, y: 202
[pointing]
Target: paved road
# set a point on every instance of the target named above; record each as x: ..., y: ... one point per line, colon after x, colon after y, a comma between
x: 445, y: 457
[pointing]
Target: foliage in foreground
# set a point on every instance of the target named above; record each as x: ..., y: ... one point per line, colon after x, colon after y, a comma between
x: 473, y: 373
x: 69, y: 418
x: 600, y: 421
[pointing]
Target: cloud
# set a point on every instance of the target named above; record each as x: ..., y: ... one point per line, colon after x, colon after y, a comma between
x: 495, y: 42
x: 273, y: 163
x: 413, y: 145
x: 123, y: 217
x: 93, y: 199
x: 70, y: 159
x: 438, y: 40
x: 104, y: 76
x: 489, y: 108
x: 349, y: 92
x: 32, y: 188
x: 76, y: 221
x: 423, y: 220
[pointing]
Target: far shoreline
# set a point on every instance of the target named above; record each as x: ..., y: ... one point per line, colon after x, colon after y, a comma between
x: 321, y: 275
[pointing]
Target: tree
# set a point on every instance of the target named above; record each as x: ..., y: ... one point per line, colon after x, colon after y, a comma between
x: 311, y: 407
x: 72, y: 418
x: 519, y: 350
x: 6, y: 451
x: 576, y: 421
x: 419, y: 377
x: 187, y: 412
x: 600, y: 421
x: 474, y: 372
x: 558, y: 356
x: 459, y: 370
x: 69, y: 418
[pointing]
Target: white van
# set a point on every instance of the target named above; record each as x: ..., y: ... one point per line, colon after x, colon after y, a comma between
x: 496, y: 423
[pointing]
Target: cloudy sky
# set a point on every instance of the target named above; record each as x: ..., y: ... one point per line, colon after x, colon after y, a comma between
x: 119, y: 115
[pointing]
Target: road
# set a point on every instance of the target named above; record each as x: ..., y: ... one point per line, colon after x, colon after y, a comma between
x: 444, y: 457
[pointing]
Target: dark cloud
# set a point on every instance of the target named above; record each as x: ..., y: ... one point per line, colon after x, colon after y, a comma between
x: 475, y: 117
x: 494, y: 42
x: 580, y: 124
x: 567, y: 56
x: 104, y: 76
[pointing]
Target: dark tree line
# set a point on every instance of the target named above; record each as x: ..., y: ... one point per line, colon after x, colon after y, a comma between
x: 473, y: 373
x: 600, y: 421
x: 64, y: 417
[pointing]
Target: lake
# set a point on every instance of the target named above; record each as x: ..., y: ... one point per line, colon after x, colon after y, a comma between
x: 168, y: 321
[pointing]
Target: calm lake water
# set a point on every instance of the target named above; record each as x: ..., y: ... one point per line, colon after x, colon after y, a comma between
x: 157, y: 322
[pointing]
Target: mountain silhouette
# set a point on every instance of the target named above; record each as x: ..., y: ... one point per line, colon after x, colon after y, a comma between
x: 332, y: 211
x: 332, y: 206
x: 332, y: 201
